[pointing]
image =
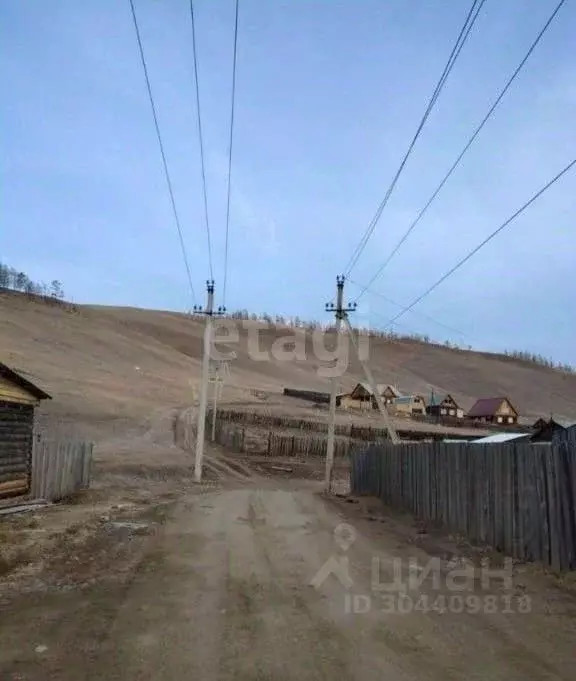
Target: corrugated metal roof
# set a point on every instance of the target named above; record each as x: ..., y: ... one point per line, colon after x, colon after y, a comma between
x: 500, y: 437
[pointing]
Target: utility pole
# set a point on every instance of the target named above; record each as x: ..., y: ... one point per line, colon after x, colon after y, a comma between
x: 340, y: 312
x: 209, y: 312
x: 216, y: 384
x: 392, y: 434
x: 217, y: 379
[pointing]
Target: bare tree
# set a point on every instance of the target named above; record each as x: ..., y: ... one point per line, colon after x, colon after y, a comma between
x: 56, y: 289
x: 4, y: 276
x: 21, y: 281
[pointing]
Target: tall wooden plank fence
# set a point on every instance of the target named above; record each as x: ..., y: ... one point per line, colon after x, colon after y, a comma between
x: 520, y: 498
x: 60, y: 469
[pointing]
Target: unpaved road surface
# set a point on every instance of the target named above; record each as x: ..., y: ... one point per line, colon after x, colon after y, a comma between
x: 223, y: 591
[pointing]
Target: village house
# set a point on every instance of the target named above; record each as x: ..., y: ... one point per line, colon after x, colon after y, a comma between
x: 390, y: 393
x: 359, y: 398
x: 494, y: 410
x: 443, y: 405
x: 408, y: 405
x: 362, y: 396
x: 18, y: 398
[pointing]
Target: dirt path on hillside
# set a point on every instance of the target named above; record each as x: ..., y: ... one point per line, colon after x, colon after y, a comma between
x: 223, y: 591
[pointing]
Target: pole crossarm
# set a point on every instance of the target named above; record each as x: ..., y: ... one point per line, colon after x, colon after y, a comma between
x: 209, y: 310
x: 339, y: 310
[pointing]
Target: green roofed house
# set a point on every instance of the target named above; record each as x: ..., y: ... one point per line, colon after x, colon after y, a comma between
x: 443, y: 405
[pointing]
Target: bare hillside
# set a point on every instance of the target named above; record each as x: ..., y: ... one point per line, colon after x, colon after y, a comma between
x: 102, y: 363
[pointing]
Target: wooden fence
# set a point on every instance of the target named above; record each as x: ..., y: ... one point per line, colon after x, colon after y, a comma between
x: 259, y: 440
x: 520, y: 499
x: 366, y: 433
x: 567, y: 435
x: 303, y: 445
x: 60, y: 469
x: 250, y: 441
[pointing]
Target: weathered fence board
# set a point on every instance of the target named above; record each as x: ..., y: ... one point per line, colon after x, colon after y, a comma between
x: 259, y: 441
x: 518, y: 498
x: 366, y: 433
x: 60, y: 469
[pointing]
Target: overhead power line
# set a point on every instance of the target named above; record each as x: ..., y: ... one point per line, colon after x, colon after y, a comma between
x: 403, y: 307
x: 459, y: 44
x: 162, y: 152
x: 231, y: 140
x: 483, y: 243
x: 409, y: 330
x: 200, y: 138
x: 464, y: 150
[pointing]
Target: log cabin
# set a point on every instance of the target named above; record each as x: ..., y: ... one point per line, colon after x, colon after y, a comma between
x: 18, y: 399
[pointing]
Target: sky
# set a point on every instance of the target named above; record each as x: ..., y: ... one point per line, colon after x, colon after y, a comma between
x: 328, y: 96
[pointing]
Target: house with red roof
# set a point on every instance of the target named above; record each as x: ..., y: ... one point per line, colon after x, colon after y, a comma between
x: 494, y: 410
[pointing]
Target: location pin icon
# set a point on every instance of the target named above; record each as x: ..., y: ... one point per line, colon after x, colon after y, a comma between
x: 344, y: 536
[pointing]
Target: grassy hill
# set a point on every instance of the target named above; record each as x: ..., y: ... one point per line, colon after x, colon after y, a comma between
x: 105, y: 364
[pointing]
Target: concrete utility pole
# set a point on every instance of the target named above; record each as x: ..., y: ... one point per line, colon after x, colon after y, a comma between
x: 209, y: 312
x: 217, y: 379
x: 340, y: 312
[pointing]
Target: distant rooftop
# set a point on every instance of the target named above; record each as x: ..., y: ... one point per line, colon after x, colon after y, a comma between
x: 405, y: 399
x: 436, y: 399
x: 381, y: 387
x: 486, y: 406
x: 500, y: 437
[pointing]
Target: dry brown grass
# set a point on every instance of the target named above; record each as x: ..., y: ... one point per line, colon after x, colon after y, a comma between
x: 110, y: 368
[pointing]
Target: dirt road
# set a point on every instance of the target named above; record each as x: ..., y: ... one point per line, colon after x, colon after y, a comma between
x: 223, y: 591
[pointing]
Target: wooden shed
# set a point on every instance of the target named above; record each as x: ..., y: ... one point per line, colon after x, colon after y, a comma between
x: 18, y: 398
